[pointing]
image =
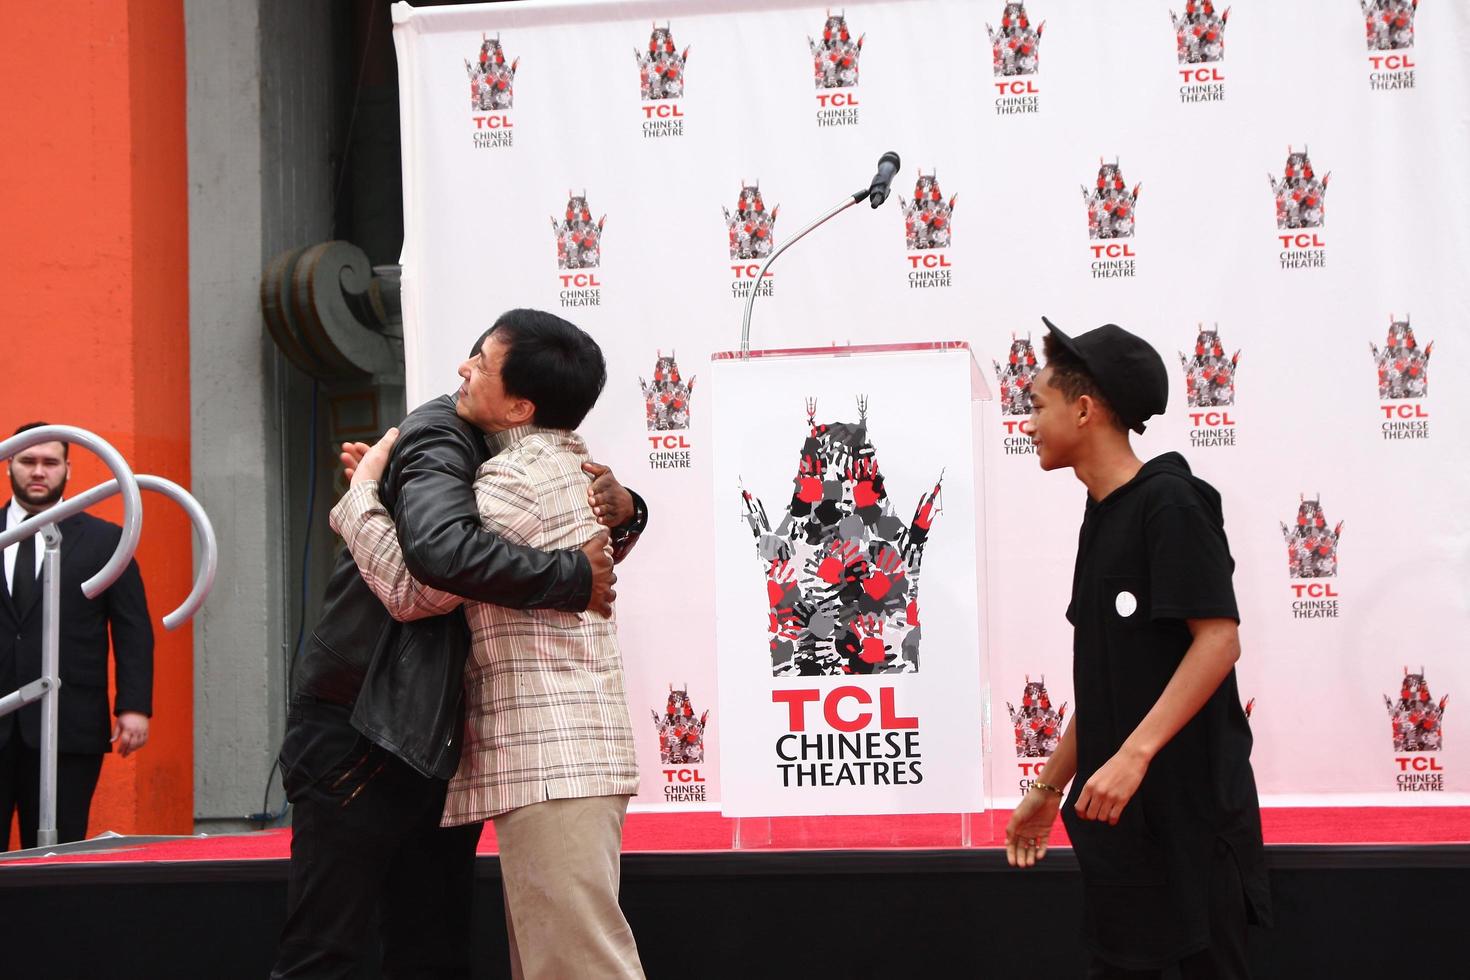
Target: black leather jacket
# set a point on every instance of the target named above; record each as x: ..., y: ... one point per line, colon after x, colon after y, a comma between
x: 404, y: 681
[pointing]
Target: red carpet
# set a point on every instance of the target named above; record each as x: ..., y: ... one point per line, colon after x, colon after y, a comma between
x: 712, y: 832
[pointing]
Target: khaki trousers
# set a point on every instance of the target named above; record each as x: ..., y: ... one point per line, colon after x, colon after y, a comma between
x: 559, y: 866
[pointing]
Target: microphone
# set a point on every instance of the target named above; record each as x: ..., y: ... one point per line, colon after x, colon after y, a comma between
x: 888, y: 165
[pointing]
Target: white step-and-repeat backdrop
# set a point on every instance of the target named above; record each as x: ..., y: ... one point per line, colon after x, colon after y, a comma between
x: 1273, y: 193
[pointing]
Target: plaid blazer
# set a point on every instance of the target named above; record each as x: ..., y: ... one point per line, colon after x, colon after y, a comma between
x: 546, y: 716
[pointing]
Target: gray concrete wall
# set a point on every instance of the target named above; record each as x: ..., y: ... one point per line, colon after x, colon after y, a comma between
x: 261, y: 130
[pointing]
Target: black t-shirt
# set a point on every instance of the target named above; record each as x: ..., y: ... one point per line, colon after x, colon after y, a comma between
x: 1151, y: 555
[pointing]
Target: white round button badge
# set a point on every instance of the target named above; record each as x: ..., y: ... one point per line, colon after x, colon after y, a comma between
x: 1126, y: 604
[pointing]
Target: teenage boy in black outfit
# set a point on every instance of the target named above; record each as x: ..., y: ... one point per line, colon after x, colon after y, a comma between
x: 1162, y: 814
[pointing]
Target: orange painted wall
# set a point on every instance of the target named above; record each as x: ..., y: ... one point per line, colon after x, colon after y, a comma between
x: 94, y: 245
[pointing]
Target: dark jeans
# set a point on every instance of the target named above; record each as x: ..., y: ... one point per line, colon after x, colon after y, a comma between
x: 1226, y: 957
x: 368, y: 856
x: 20, y: 791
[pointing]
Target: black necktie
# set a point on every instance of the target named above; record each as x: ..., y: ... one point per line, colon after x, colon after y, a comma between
x: 23, y: 585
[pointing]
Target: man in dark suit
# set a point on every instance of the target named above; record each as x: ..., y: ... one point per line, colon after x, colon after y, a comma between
x: 38, y: 477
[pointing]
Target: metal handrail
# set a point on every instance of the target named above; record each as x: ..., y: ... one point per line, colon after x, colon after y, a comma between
x: 46, y: 688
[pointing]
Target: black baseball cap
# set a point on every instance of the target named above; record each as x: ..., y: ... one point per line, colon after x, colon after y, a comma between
x: 1127, y: 369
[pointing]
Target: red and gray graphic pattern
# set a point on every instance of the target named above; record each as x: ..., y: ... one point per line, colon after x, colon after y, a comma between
x: 1390, y: 23
x: 680, y: 733
x: 1017, y: 376
x: 1038, y: 725
x: 578, y: 238
x: 842, y: 569
x: 1209, y: 376
x: 1110, y: 206
x: 835, y: 56
x: 1417, y: 719
x: 928, y: 218
x: 1403, y: 366
x: 1200, y: 32
x: 1301, y: 199
x: 661, y: 67
x: 667, y: 398
x: 492, y: 81
x: 1015, y: 49
x: 1311, y: 548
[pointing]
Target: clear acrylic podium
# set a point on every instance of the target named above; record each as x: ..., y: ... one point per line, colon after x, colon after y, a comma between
x: 851, y: 615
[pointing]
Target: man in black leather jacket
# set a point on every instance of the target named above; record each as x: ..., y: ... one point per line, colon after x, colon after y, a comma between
x: 372, y: 733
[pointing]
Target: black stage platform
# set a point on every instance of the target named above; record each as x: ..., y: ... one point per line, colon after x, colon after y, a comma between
x: 1342, y: 911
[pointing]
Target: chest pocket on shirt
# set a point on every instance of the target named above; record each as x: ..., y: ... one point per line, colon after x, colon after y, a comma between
x: 1125, y: 602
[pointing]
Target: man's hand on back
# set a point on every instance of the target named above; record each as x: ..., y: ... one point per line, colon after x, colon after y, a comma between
x: 611, y: 502
x: 372, y: 462
x: 599, y: 555
x: 352, y: 454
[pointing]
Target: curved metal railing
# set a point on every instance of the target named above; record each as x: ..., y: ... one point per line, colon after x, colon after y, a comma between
x: 46, y: 688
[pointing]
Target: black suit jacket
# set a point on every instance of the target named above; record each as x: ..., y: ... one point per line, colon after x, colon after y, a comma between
x: 85, y: 724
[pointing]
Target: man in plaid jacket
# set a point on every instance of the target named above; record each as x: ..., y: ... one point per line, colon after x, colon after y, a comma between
x: 548, y: 749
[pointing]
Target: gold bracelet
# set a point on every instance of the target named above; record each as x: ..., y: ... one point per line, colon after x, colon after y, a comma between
x: 1048, y: 787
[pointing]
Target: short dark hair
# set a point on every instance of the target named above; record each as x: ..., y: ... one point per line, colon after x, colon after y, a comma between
x: 550, y: 362
x: 1070, y: 376
x: 65, y: 446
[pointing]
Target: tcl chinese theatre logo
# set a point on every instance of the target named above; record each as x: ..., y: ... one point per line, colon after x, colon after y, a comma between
x: 1199, y: 40
x: 492, y: 94
x: 1015, y: 54
x: 752, y: 231
x: 661, y: 84
x: 1301, y: 210
x: 1209, y: 383
x: 835, y: 57
x: 1038, y: 726
x: 681, y: 747
x: 1403, y: 382
x: 579, y: 252
x: 1390, y: 29
x: 1016, y: 378
x: 666, y: 403
x: 928, y: 224
x: 1418, y: 734
x: 1311, y: 556
x: 1111, y: 214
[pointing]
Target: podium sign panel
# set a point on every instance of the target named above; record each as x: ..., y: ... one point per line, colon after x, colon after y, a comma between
x: 849, y: 608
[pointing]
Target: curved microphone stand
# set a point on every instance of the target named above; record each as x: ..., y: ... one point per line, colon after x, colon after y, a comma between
x: 888, y: 165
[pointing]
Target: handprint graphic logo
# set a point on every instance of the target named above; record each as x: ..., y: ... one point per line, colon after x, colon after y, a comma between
x: 1110, y: 206
x: 1015, y: 49
x: 680, y: 734
x: 1016, y: 376
x: 1200, y: 33
x: 1038, y: 725
x: 492, y: 81
x: 1311, y: 549
x: 667, y: 399
x: 752, y: 230
x: 1390, y: 23
x: 578, y: 238
x: 1300, y: 196
x: 842, y: 570
x: 835, y: 56
x: 1417, y: 720
x: 1209, y: 376
x: 1403, y: 366
x: 927, y: 218
x: 661, y: 67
